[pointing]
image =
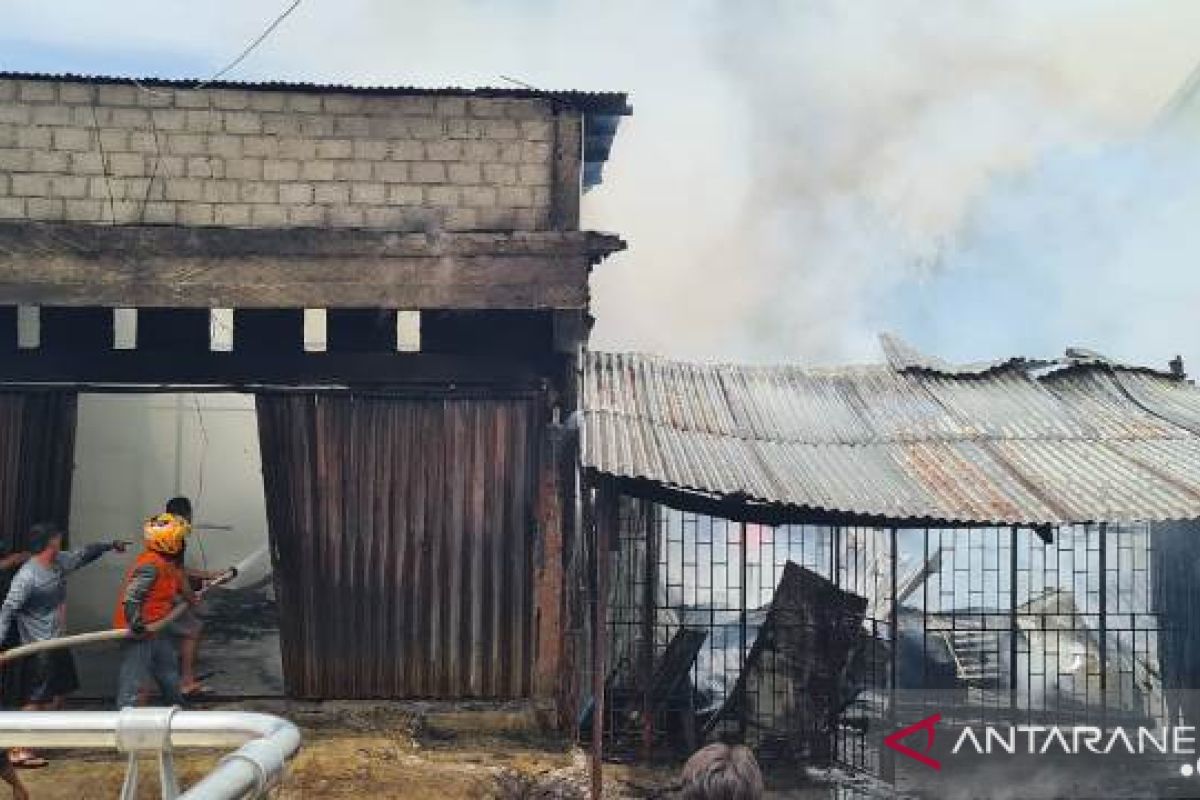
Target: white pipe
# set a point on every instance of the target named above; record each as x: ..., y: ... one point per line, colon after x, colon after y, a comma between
x: 67, y: 729
x: 254, y: 767
x: 266, y: 742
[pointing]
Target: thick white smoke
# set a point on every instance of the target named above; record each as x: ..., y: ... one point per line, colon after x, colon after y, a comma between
x: 913, y: 144
x: 1097, y: 247
x: 798, y: 174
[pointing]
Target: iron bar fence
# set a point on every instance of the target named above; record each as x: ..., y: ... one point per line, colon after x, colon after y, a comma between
x: 719, y: 629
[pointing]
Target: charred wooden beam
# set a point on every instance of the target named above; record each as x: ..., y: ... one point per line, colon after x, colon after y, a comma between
x: 360, y: 330
x: 743, y: 509
x: 87, y: 329
x: 238, y: 369
x: 548, y: 585
x: 77, y: 265
x: 186, y: 242
x: 8, y: 328
x: 487, y: 332
x: 181, y: 330
x: 268, y: 330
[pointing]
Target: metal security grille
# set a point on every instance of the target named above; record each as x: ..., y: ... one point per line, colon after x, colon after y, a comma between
x: 809, y: 642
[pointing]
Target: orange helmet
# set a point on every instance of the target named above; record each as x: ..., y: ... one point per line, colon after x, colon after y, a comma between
x: 165, y: 533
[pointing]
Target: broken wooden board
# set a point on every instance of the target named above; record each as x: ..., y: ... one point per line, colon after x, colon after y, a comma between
x: 676, y: 662
x: 790, y: 690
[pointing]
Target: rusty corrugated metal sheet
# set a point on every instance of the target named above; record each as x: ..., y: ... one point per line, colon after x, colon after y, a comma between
x: 401, y: 534
x: 1173, y: 400
x: 995, y: 445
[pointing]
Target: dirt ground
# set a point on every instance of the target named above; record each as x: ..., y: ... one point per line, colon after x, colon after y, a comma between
x: 391, y: 751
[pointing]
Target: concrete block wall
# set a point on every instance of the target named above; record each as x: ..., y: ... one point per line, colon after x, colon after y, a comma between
x: 118, y: 153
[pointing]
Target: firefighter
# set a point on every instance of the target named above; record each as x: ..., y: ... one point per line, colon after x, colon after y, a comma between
x: 153, y: 586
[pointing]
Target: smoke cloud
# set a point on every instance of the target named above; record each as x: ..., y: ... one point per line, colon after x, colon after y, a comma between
x: 907, y: 160
x: 797, y: 175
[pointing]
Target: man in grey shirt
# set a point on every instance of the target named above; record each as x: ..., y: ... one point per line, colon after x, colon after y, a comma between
x: 37, y: 601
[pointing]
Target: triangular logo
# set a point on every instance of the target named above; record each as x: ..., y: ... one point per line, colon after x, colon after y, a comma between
x: 894, y: 741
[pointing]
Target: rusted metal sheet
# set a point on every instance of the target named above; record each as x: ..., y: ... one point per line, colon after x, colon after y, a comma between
x: 995, y: 443
x: 402, y: 535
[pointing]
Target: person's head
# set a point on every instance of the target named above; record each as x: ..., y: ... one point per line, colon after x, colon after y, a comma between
x: 180, y: 507
x: 722, y: 772
x: 45, y: 537
x: 165, y: 534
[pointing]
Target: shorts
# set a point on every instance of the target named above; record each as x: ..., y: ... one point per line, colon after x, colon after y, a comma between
x: 186, y: 625
x: 51, y: 674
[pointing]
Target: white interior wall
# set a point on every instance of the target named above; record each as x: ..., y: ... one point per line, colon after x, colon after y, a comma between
x: 133, y: 452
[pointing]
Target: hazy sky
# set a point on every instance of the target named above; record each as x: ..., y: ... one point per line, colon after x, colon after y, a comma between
x: 797, y: 176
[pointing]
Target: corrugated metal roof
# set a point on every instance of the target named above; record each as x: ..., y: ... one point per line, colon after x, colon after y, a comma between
x: 1001, y: 445
x: 593, y: 102
x: 904, y: 357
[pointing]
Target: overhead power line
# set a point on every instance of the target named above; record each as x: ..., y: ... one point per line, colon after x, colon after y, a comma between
x: 254, y: 44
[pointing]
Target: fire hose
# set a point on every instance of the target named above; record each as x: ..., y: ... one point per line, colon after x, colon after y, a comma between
x: 118, y: 634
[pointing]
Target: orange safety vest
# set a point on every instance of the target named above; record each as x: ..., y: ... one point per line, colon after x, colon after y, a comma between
x: 167, y: 586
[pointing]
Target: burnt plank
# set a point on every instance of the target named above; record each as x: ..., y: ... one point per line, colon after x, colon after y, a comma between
x: 807, y: 640
x: 514, y: 282
x: 452, y: 551
x: 173, y: 329
x: 401, y: 501
x: 220, y: 268
x: 268, y: 330
x: 242, y: 369
x: 477, y: 533
x: 8, y: 329
x: 439, y: 455
x: 360, y: 330
x: 671, y: 671
x: 487, y: 332
x: 86, y: 328
x: 85, y: 240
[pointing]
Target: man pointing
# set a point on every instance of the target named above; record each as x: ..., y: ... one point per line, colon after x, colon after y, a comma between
x: 36, y: 601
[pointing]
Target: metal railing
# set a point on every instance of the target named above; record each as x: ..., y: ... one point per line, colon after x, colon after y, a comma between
x: 264, y: 742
